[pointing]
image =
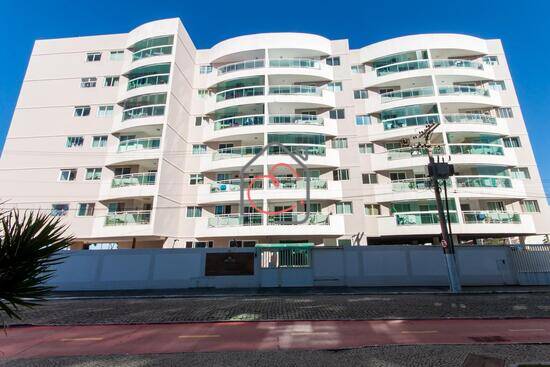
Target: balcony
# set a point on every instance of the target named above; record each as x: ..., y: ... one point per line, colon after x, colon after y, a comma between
x: 126, y: 218
x: 152, y: 51
x: 407, y: 153
x: 295, y: 90
x: 310, y: 149
x: 411, y: 184
x: 462, y: 90
x: 240, y: 92
x: 483, y: 181
x: 134, y: 179
x: 138, y: 144
x: 149, y: 80
x: 407, y: 93
x: 402, y: 66
x: 241, y: 65
x: 292, y: 217
x: 142, y: 112
x: 234, y: 185
x: 417, y: 120
x: 295, y: 63
x: 469, y: 118
x: 481, y: 149
x: 490, y: 217
x: 150, y: 47
x: 236, y: 152
x: 298, y: 183
x: 296, y: 119
x: 235, y: 220
x: 250, y: 120
x: 421, y: 218
x: 457, y: 63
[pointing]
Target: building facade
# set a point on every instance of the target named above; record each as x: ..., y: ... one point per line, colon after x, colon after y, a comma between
x: 138, y: 139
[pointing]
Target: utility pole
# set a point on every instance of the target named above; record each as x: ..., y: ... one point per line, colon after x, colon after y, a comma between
x: 440, y: 170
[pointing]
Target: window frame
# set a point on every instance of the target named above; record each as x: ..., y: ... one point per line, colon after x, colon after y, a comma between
x: 369, y: 207
x: 59, y: 213
x: 340, y: 174
x: 360, y: 94
x: 339, y: 143
x: 88, y: 82
x: 337, y: 114
x: 86, y: 111
x: 102, y: 139
x: 194, y: 210
x: 89, y: 210
x: 94, y: 174
x: 196, y: 179
x: 117, y: 53
x: 342, y: 205
x: 73, y: 172
x: 105, y: 111
x: 114, y: 81
x: 370, y: 180
x: 94, y: 55
x: 198, y: 149
x: 365, y: 147
x: 333, y: 61
x: 71, y: 142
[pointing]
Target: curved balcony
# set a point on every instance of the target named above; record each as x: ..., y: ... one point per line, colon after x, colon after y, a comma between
x: 490, y: 217
x: 463, y: 90
x: 143, y: 112
x: 483, y: 181
x: 236, y: 152
x: 296, y: 119
x: 240, y: 93
x: 457, y: 63
x: 410, y: 121
x: 135, y: 150
x: 399, y: 67
x: 126, y: 218
x: 469, y: 118
x: 134, y: 179
x: 404, y: 158
x: 130, y: 186
x: 484, y: 149
x: 241, y: 65
x: 422, y: 217
x: 406, y: 93
x: 489, y: 187
x: 151, y: 52
x: 239, y: 121
x: 474, y: 122
x: 314, y: 219
x: 148, y: 80
x: 308, y: 90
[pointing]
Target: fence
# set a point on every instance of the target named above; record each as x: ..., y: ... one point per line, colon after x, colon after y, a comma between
x: 305, y: 267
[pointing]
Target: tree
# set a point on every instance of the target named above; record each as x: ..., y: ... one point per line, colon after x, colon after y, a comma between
x: 30, y: 245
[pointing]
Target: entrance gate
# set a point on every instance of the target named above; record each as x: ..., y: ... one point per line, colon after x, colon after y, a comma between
x: 285, y: 265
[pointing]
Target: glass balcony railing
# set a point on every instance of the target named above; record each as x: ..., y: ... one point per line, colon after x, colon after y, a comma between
x: 128, y: 218
x: 152, y: 51
x: 295, y: 90
x: 456, y: 63
x: 484, y: 149
x: 241, y: 65
x: 406, y: 153
x: 234, y: 220
x: 463, y: 90
x: 411, y: 184
x: 138, y: 144
x: 408, y: 121
x: 144, y: 111
x: 317, y: 150
x: 484, y: 181
x: 134, y: 179
x: 487, y: 216
x: 250, y: 120
x: 407, y: 93
x: 469, y: 118
x: 402, y: 66
x: 297, y: 183
x: 236, y: 152
x: 296, y: 119
x: 417, y: 218
x: 295, y: 63
x: 292, y: 217
x: 144, y: 81
x: 234, y: 185
x: 240, y: 92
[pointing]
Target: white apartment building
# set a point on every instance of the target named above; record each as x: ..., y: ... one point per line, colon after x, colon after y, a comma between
x: 138, y: 139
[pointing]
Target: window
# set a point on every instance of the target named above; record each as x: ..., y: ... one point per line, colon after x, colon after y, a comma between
x: 81, y: 111
x: 358, y: 69
x: 88, y: 82
x: 362, y: 120
x: 497, y: 85
x: 370, y: 178
x: 385, y: 90
x: 85, y: 210
x: 205, y: 69
x: 490, y: 60
x: 505, y: 113
x: 93, y: 174
x: 360, y: 94
x: 194, y: 212
x: 116, y: 55
x: 222, y: 209
x: 111, y: 81
x: 334, y: 61
x: 365, y: 148
x: 198, y: 121
x: 337, y: 114
x: 93, y: 56
x: 340, y: 143
x: 199, y: 148
x: 74, y: 141
x: 372, y: 209
x: 59, y: 210
x: 105, y: 111
x: 512, y: 142
x: 496, y: 206
x: 203, y: 93
x: 99, y: 141
x: 335, y: 86
x: 340, y: 174
x: 344, y: 207
x: 196, y: 179
x: 398, y: 176
x: 67, y: 174
x: 521, y: 173
x: 530, y: 206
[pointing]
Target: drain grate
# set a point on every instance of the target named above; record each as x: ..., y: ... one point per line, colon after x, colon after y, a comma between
x: 488, y: 339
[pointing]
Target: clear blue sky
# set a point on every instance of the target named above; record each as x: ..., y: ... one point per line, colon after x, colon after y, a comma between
x: 523, y: 27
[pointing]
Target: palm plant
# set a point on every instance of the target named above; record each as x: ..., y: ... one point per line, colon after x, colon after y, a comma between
x: 29, y: 248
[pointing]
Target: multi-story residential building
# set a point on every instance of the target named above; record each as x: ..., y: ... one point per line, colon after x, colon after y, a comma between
x: 137, y: 139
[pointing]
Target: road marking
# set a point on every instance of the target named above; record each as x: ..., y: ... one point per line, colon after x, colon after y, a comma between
x: 420, y: 332
x: 525, y: 330
x: 81, y: 339
x: 199, y: 336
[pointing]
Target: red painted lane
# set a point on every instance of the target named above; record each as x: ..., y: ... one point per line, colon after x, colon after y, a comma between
x: 42, y: 341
